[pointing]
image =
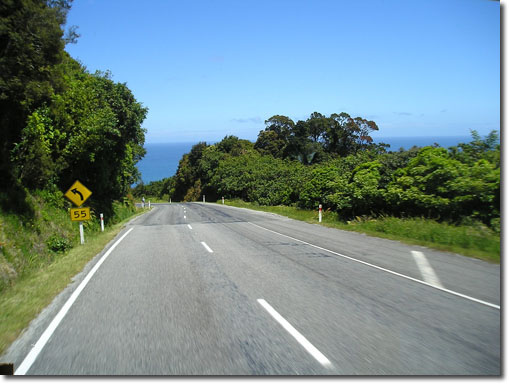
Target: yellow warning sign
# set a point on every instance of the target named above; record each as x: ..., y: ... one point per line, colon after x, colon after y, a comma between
x: 80, y: 214
x: 78, y: 193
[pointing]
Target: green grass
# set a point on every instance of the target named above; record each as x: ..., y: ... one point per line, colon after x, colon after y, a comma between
x: 36, y: 287
x: 473, y: 240
x: 30, y: 243
x: 153, y: 199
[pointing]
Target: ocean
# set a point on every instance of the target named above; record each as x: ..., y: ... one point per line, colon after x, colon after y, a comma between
x: 407, y: 142
x: 162, y: 159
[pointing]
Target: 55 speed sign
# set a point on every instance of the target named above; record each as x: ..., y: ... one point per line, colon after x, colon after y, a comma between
x: 80, y: 214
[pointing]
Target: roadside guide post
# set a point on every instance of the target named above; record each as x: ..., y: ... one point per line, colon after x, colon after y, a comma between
x: 222, y: 199
x: 320, y: 213
x: 82, y: 234
x: 102, y: 223
x: 203, y: 198
x: 78, y: 194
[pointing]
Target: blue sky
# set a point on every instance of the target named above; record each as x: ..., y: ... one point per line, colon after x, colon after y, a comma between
x: 206, y: 69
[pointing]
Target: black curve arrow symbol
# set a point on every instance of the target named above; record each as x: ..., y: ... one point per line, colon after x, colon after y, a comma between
x: 75, y: 191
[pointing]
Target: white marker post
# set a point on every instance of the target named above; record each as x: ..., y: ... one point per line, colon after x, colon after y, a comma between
x: 203, y: 198
x: 149, y: 204
x: 222, y: 199
x: 82, y: 233
x: 102, y: 222
x: 170, y: 200
x: 320, y: 213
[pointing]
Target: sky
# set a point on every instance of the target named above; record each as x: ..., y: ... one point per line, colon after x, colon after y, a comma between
x: 207, y: 69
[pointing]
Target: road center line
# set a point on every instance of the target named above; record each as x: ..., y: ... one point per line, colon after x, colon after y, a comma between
x: 427, y: 272
x: 312, y: 350
x: 384, y: 269
x: 32, y: 355
x: 207, y: 247
x: 189, y: 226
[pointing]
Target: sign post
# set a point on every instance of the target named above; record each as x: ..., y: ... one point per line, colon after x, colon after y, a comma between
x: 78, y: 194
x: 82, y: 234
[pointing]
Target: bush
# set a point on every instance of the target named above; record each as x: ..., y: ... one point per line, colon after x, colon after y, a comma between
x: 58, y: 244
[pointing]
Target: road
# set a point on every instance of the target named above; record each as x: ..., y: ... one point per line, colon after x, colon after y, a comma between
x: 206, y: 289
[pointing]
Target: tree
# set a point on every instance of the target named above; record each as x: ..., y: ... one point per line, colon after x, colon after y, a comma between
x: 234, y: 146
x: 317, y: 126
x: 345, y: 135
x: 31, y: 46
x: 477, y: 149
x: 262, y: 179
x: 32, y: 155
x: 275, y: 138
x: 268, y: 143
x: 91, y: 131
x: 188, y: 173
x: 436, y: 185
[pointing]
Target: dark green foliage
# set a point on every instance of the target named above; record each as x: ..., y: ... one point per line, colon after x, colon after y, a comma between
x: 58, y: 244
x: 315, y: 139
x: 264, y: 179
x: 437, y: 185
x: 31, y: 47
x: 14, y: 199
x: 91, y: 132
x: 59, y: 122
x: 198, y: 167
x: 157, y: 189
x: 457, y: 185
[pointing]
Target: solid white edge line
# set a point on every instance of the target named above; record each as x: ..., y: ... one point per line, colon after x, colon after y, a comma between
x: 427, y: 272
x: 189, y: 226
x: 383, y: 269
x: 312, y: 350
x: 32, y: 355
x: 207, y: 247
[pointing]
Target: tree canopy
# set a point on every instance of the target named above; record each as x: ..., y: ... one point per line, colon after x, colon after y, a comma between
x: 334, y: 162
x: 60, y: 122
x: 309, y: 141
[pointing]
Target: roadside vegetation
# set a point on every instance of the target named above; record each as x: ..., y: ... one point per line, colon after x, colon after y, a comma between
x: 155, y: 191
x: 60, y: 123
x: 333, y: 161
x: 38, y: 262
x: 474, y: 240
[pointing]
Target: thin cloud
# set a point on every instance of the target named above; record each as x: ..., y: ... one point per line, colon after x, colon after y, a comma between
x: 255, y: 120
x: 403, y: 113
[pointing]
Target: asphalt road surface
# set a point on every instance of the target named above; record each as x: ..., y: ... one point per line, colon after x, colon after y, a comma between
x: 206, y: 289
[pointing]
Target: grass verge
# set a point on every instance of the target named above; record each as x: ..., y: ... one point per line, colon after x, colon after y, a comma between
x: 35, y: 290
x: 474, y: 241
x: 153, y: 200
